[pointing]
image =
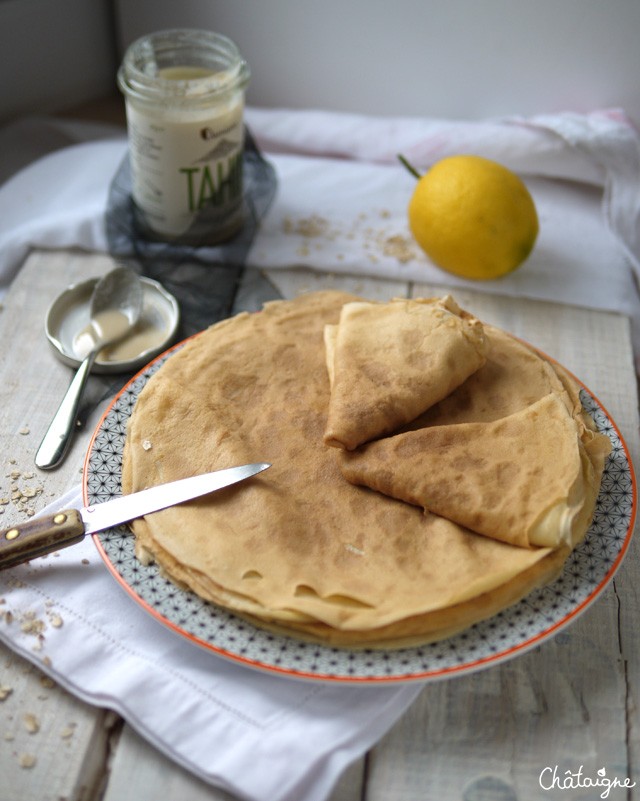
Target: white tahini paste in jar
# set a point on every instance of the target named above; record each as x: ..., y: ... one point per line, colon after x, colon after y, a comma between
x: 184, y: 95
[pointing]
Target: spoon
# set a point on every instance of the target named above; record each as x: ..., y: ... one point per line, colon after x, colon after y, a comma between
x: 116, y: 303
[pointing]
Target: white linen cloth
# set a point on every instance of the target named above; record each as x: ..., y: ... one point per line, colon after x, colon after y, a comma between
x: 340, y: 207
x: 342, y: 198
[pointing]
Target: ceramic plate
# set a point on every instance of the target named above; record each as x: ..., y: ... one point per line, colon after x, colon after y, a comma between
x: 527, y: 624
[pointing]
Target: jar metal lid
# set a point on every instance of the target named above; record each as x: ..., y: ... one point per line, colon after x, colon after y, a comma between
x: 69, y: 315
x: 140, y: 75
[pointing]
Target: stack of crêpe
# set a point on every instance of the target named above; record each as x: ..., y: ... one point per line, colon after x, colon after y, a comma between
x: 427, y: 470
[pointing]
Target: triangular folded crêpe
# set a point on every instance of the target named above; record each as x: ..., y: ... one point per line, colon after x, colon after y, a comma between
x: 390, y: 362
x: 526, y: 479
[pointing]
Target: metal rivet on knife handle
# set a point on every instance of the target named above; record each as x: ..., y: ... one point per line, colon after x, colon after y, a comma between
x: 39, y: 536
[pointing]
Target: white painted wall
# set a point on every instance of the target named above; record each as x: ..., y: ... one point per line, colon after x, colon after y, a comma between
x: 444, y: 58
x: 54, y: 54
x: 447, y: 58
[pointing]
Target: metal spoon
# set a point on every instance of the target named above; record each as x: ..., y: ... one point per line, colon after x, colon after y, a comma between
x: 116, y: 303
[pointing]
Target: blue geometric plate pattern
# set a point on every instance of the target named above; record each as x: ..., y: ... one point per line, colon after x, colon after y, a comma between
x: 526, y: 624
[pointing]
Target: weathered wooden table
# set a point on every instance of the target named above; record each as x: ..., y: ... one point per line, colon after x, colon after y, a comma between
x: 482, y: 737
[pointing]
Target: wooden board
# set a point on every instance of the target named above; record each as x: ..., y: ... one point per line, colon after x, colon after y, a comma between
x: 485, y: 737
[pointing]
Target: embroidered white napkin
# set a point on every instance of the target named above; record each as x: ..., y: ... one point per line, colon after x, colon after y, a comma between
x: 253, y: 734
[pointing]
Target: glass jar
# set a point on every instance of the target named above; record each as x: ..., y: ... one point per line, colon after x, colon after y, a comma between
x: 184, y: 95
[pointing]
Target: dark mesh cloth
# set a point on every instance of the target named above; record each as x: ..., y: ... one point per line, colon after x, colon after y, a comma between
x: 203, y: 279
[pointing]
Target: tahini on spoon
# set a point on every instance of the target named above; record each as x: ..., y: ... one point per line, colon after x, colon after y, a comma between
x: 116, y: 304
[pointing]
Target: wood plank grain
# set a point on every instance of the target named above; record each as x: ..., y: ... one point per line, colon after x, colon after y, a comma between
x: 296, y: 281
x: 66, y: 740
x: 33, y: 379
x: 52, y: 746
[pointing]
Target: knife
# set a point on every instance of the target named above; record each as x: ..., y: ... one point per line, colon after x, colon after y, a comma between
x: 51, y: 532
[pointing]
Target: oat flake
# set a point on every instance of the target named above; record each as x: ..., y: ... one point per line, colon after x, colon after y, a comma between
x: 27, y: 760
x: 31, y: 723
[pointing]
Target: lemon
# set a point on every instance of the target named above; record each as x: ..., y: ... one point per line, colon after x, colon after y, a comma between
x: 473, y: 217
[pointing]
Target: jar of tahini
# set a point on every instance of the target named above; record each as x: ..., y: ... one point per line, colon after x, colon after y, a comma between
x: 184, y: 95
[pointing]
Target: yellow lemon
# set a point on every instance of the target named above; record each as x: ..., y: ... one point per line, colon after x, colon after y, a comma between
x: 473, y: 217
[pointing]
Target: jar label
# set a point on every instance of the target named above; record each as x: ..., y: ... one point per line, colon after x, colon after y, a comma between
x: 187, y: 170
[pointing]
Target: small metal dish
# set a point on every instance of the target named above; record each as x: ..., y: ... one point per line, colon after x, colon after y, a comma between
x: 68, y: 320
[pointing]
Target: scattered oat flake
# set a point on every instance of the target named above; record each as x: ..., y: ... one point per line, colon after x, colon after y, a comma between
x: 31, y: 723
x: 68, y: 731
x: 9, y: 736
x: 398, y: 247
x: 55, y: 620
x: 24, y: 431
x: 32, y: 626
x: 27, y: 760
x: 308, y: 226
x: 5, y: 692
x: 147, y: 445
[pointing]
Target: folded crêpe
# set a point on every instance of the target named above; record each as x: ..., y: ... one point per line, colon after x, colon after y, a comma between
x: 389, y: 362
x: 298, y: 549
x: 510, y: 454
x: 527, y: 479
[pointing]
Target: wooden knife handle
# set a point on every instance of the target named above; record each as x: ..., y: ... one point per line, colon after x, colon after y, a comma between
x: 40, y: 536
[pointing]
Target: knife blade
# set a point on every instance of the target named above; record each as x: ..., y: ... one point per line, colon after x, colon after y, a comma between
x: 48, y: 533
